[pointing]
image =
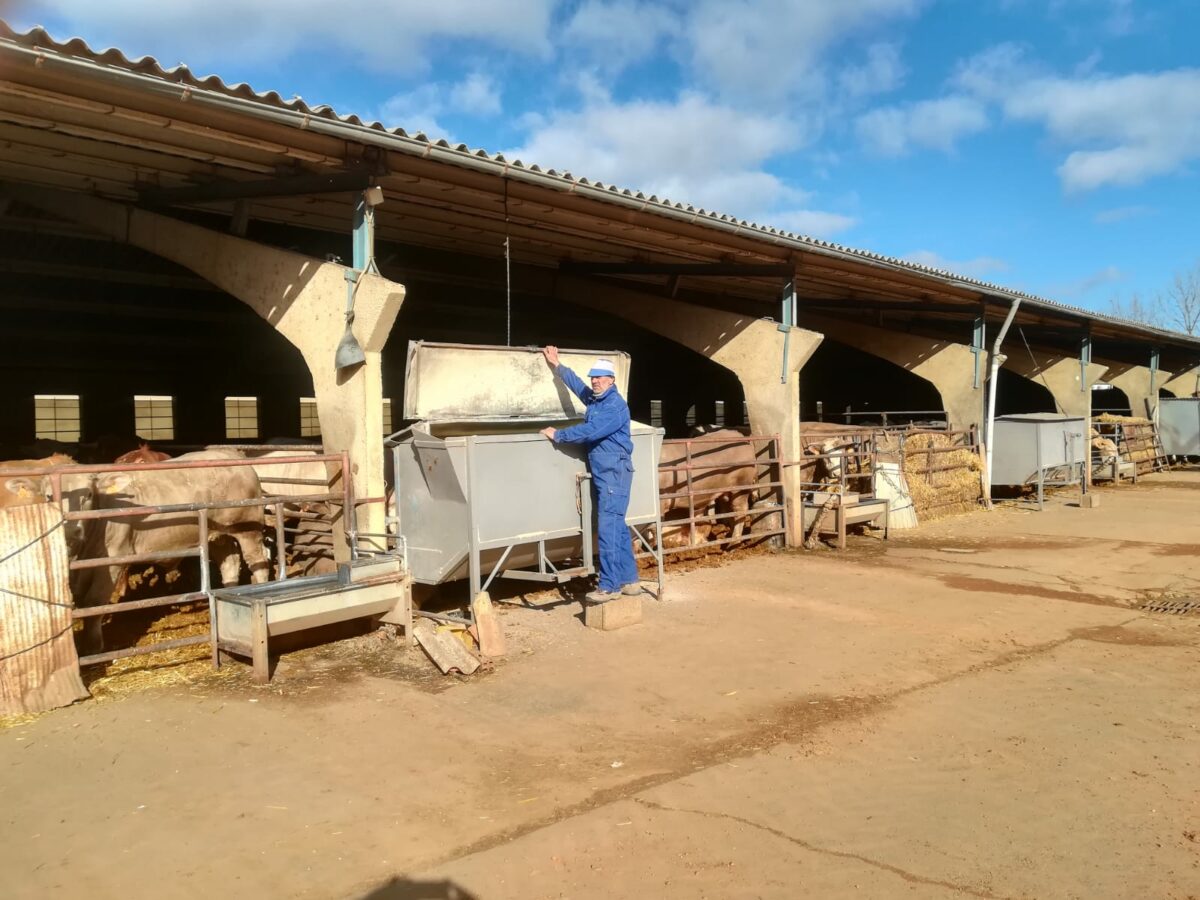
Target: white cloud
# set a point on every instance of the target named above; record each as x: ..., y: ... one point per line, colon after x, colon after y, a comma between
x: 693, y: 150
x: 1081, y: 286
x: 1117, y: 130
x: 1120, y: 214
x: 813, y: 222
x: 422, y: 108
x: 390, y: 36
x: 972, y: 268
x: 766, y: 50
x: 616, y: 33
x: 935, y: 124
x: 476, y: 95
x: 1133, y: 127
x: 882, y: 71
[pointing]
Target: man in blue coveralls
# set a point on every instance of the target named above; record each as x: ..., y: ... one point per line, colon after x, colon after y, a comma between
x: 604, y: 431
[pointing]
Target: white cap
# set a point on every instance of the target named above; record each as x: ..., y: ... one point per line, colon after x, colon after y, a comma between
x: 603, y: 367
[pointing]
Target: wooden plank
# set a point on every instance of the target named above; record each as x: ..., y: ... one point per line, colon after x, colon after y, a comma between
x: 446, y: 651
x: 487, y: 626
x: 258, y: 642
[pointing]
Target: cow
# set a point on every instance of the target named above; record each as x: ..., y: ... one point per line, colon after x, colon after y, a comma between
x: 725, y: 482
x: 311, y: 544
x: 23, y: 490
x: 229, y: 529
x: 143, y: 454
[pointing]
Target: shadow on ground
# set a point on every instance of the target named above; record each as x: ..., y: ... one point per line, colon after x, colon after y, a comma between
x: 406, y: 889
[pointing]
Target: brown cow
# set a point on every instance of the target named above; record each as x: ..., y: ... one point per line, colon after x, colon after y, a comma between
x: 143, y: 454
x: 229, y: 529
x: 723, y: 482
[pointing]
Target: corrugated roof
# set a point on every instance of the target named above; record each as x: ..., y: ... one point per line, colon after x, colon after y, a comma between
x: 115, y: 61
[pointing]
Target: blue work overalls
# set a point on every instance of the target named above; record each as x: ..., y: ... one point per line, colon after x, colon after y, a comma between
x: 605, y: 433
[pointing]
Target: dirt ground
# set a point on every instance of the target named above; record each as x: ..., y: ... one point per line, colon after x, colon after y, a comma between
x: 977, y: 708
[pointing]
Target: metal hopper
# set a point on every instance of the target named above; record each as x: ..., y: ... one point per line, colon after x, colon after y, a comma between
x: 479, y: 494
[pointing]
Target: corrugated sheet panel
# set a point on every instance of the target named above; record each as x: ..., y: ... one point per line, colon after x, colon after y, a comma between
x: 38, y: 666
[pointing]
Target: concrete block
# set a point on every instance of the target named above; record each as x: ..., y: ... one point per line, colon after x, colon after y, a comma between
x: 1089, y: 501
x: 613, y: 614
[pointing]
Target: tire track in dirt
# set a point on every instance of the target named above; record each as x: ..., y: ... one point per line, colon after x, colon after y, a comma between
x: 789, y: 722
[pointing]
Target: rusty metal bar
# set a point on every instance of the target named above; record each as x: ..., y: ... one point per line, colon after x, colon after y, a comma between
x: 690, y: 496
x: 167, y: 465
x: 156, y: 556
x: 128, y: 511
x: 97, y: 658
x: 87, y: 612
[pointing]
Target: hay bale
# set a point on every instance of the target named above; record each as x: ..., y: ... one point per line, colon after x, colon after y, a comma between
x: 954, y: 484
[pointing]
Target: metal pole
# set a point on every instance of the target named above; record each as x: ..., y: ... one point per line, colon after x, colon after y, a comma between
x: 991, y: 410
x: 280, y: 544
x: 206, y: 587
x: 687, y: 447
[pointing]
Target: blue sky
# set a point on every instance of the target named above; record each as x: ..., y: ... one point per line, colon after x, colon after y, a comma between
x: 1049, y: 146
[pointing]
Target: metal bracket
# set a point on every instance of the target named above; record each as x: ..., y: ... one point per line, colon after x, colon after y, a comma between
x: 978, y: 340
x: 1085, y: 360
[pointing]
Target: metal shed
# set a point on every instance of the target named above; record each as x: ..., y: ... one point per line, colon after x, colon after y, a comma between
x: 1039, y: 448
x: 1179, y: 425
x: 478, y: 492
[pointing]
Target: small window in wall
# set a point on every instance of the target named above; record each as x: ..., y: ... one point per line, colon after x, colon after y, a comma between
x: 656, y: 413
x: 241, y: 417
x: 691, y: 416
x: 719, y: 413
x: 387, y: 415
x: 56, y: 417
x: 154, y: 417
x: 310, y: 423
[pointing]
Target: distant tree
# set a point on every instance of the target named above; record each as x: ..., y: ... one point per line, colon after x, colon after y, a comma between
x: 1135, y: 309
x: 1176, y: 308
x: 1181, y: 301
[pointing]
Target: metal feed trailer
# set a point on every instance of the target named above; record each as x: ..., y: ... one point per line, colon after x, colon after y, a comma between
x: 1040, y: 449
x: 1179, y: 425
x: 479, y: 494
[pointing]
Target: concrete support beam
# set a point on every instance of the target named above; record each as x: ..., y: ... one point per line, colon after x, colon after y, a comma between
x: 1185, y: 384
x: 1061, y: 375
x: 753, y: 349
x: 1140, y: 386
x: 949, y: 367
x: 302, y: 297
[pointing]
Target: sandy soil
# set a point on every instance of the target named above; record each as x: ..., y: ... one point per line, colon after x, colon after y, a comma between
x: 977, y: 708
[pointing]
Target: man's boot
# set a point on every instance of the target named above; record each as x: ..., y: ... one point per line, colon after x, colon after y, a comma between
x: 633, y: 589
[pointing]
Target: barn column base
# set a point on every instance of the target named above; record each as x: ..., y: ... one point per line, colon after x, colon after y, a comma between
x: 766, y: 360
x: 950, y: 367
x: 1140, y: 386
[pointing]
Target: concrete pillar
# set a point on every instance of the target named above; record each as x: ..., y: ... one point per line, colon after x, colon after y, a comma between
x: 753, y: 349
x: 1061, y: 376
x: 950, y: 367
x: 1140, y: 386
x: 1185, y: 384
x: 302, y: 297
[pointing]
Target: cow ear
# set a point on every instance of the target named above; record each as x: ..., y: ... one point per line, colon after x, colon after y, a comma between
x: 114, y: 483
x: 23, y: 488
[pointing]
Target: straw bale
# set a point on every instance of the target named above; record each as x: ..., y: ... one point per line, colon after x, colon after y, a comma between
x: 956, y: 488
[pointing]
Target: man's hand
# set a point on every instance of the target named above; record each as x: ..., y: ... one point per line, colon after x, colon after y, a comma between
x: 551, y: 354
x: 548, y: 433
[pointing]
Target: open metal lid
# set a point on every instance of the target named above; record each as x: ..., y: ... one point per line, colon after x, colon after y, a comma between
x: 478, y: 382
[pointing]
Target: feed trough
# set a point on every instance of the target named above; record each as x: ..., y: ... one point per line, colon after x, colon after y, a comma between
x: 479, y: 493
